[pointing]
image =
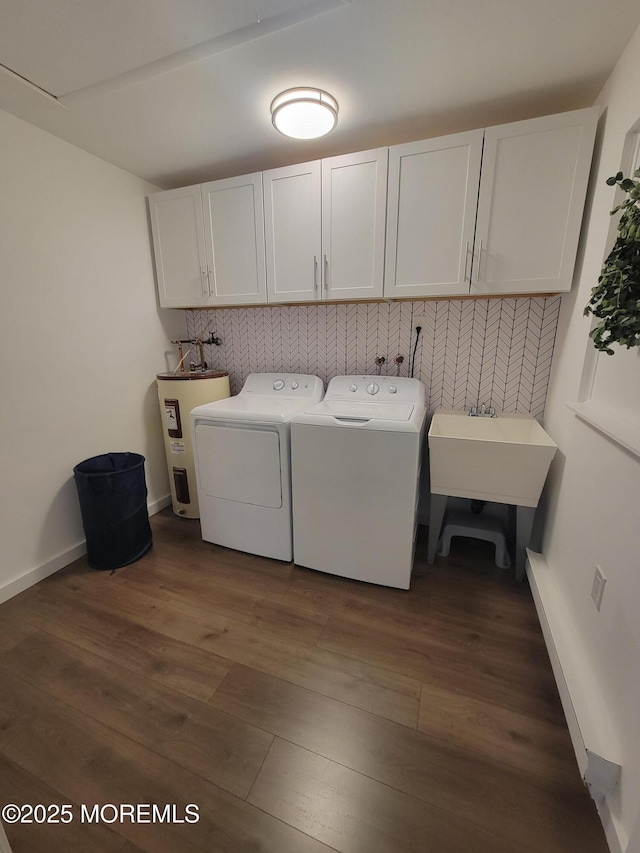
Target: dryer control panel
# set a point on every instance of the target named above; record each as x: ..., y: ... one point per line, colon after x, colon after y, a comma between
x: 294, y: 385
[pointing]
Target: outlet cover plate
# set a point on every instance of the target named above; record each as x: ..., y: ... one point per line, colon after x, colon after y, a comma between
x: 419, y: 320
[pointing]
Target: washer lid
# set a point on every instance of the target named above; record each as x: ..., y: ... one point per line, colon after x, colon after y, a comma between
x: 351, y: 414
x: 390, y: 403
x: 356, y: 410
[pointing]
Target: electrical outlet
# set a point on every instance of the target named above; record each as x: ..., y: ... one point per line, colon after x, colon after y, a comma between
x: 419, y: 321
x: 597, y: 590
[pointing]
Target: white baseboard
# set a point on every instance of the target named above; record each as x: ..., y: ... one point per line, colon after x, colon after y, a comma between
x: 159, y: 505
x: 615, y: 835
x: 592, y: 735
x: 41, y: 572
x: 18, y: 585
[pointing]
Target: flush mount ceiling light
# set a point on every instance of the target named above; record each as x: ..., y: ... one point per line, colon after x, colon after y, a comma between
x: 304, y: 113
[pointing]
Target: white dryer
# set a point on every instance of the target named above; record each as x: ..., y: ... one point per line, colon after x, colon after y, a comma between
x: 242, y: 450
x: 356, y: 463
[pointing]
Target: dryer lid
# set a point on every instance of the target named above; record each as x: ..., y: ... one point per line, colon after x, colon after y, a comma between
x: 250, y: 407
x: 265, y: 397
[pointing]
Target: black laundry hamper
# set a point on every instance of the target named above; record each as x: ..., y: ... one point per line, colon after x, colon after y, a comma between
x: 113, y: 502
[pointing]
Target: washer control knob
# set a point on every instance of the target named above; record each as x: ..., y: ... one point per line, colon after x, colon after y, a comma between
x: 353, y: 388
x: 373, y: 388
x: 295, y: 384
x: 393, y: 389
x: 278, y: 385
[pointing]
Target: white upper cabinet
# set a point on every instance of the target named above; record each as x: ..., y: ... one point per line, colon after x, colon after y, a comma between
x: 292, y: 220
x: 495, y: 211
x: 234, y: 239
x: 209, y: 243
x: 354, y: 203
x: 532, y: 193
x: 177, y: 226
x: 529, y: 181
x: 431, y: 215
x: 325, y: 224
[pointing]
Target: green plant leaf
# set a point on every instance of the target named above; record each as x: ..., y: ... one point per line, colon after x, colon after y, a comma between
x: 615, y: 300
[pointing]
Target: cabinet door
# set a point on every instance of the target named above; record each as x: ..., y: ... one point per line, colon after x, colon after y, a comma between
x: 431, y: 211
x: 532, y: 193
x: 178, y: 243
x: 354, y: 203
x: 292, y: 214
x: 234, y: 238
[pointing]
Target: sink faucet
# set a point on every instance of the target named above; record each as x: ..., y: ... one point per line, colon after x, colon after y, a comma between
x: 482, y: 412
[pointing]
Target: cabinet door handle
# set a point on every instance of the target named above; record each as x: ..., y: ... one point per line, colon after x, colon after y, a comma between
x: 326, y: 273
x: 479, y: 262
x: 466, y: 264
x: 315, y: 272
x: 205, y: 282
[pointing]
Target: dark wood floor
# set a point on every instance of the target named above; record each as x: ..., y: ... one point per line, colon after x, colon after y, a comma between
x: 300, y: 712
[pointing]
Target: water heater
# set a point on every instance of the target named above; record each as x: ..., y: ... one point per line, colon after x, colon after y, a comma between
x: 178, y: 393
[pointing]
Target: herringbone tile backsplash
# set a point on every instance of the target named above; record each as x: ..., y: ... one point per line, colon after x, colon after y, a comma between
x: 470, y: 351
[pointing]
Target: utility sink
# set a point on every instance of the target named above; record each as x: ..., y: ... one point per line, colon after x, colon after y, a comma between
x: 504, y: 459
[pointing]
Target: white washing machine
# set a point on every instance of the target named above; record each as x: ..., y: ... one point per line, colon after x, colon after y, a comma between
x: 355, y: 460
x: 243, y: 462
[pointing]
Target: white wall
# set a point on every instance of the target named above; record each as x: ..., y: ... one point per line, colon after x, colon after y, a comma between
x: 81, y: 340
x: 594, y: 490
x: 471, y: 351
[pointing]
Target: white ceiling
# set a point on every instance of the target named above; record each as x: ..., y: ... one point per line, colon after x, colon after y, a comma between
x: 178, y: 91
